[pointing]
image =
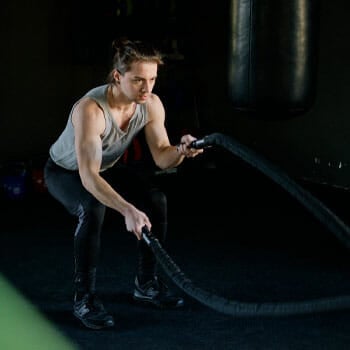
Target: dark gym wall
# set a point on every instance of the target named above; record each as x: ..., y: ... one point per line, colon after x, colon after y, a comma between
x: 313, y: 146
x: 53, y: 51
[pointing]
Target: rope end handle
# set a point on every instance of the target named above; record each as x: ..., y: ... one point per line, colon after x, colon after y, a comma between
x: 205, y: 142
x: 146, y: 235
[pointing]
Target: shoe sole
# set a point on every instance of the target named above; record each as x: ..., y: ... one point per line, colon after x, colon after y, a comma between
x: 91, y: 325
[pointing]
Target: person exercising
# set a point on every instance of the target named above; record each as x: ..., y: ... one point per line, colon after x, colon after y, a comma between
x: 100, y: 127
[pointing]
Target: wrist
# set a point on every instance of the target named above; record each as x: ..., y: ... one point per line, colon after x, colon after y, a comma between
x: 179, y: 149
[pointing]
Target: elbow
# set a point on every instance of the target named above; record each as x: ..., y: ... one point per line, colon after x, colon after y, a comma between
x: 87, y: 181
x: 166, y: 165
x: 86, y: 184
x: 162, y: 166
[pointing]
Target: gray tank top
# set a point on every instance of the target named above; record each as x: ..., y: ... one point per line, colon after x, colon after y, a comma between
x: 114, y: 140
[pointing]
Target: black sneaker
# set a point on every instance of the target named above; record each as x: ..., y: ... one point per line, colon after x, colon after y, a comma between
x: 156, y: 293
x: 90, y: 311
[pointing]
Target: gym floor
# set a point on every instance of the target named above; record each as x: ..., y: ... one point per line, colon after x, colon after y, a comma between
x: 233, y: 232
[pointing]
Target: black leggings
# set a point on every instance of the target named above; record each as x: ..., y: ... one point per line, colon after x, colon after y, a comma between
x: 134, y: 185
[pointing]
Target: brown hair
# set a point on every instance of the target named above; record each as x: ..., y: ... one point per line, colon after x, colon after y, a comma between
x: 127, y: 52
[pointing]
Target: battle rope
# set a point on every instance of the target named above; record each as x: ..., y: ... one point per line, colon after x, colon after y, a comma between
x: 243, y: 309
x: 237, y: 308
x: 315, y: 206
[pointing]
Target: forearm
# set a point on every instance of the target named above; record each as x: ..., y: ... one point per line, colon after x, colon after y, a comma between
x: 170, y: 157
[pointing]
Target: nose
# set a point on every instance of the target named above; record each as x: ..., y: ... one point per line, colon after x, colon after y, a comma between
x: 147, y: 86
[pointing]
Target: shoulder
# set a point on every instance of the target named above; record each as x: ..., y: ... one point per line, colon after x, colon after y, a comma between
x: 88, y: 112
x: 154, y: 99
x: 91, y: 101
x: 98, y: 91
x: 155, y: 107
x: 88, y: 106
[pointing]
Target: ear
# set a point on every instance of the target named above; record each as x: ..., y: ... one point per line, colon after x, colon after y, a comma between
x: 116, y: 76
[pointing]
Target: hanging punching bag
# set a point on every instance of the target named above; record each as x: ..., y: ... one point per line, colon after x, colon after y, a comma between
x: 273, y: 56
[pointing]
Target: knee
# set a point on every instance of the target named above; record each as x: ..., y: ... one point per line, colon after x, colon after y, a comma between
x: 91, y: 213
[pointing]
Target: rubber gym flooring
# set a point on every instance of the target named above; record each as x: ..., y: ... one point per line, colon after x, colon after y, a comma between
x: 233, y: 232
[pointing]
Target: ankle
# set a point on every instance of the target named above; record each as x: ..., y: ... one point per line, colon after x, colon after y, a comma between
x: 143, y: 279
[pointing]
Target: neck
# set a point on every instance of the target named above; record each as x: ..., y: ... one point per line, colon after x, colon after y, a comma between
x: 117, y: 100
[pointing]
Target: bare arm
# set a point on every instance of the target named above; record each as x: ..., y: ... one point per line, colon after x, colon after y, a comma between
x: 164, y: 154
x: 89, y: 124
